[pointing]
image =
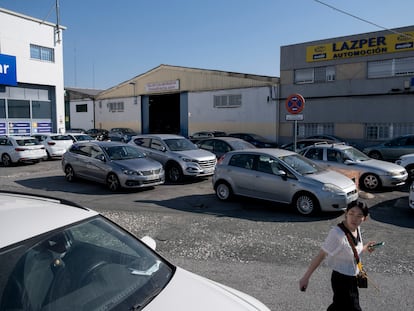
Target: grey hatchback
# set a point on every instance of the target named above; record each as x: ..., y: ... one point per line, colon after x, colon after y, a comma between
x: 114, y: 164
x: 282, y: 176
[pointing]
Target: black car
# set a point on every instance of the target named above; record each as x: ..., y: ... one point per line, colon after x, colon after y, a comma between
x: 95, y: 133
x: 220, y: 145
x: 254, y: 139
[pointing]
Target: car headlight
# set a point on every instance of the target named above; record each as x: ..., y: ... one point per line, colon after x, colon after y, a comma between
x: 131, y: 172
x: 332, y: 188
x: 393, y: 173
x: 188, y: 159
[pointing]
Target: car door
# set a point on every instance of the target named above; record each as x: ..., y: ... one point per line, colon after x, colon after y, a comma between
x: 97, y: 165
x: 240, y: 172
x: 267, y: 183
x: 158, y: 151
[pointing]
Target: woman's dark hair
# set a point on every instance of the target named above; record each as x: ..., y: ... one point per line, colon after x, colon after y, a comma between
x: 361, y: 205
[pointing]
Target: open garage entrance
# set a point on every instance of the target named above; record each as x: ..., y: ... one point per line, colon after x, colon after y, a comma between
x: 164, y: 113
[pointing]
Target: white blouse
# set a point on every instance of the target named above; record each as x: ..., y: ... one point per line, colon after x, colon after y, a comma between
x: 340, y: 255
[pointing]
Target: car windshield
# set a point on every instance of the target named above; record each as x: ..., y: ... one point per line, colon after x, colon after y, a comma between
x: 60, y: 137
x: 180, y: 144
x: 26, y: 142
x: 92, y: 265
x: 355, y: 155
x: 123, y: 152
x: 241, y: 144
x: 300, y: 164
x: 82, y: 137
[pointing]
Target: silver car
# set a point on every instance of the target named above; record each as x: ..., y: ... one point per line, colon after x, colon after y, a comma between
x: 391, y: 150
x: 178, y: 154
x: 112, y: 163
x: 373, y: 174
x: 282, y: 176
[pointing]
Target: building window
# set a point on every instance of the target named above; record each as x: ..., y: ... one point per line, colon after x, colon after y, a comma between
x: 391, y: 68
x: 82, y: 108
x: 116, y: 107
x: 19, y: 109
x: 2, y: 109
x: 41, y: 109
x: 385, y: 131
x: 227, y: 101
x: 315, y: 75
x: 42, y: 53
x: 309, y: 129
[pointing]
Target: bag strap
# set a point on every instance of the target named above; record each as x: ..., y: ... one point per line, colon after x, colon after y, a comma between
x: 351, y: 243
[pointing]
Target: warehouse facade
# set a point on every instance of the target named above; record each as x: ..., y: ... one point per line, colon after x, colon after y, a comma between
x: 31, y: 75
x: 358, y: 87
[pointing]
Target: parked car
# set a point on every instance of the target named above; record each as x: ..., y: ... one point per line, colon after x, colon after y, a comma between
x: 75, y: 130
x: 179, y: 156
x: 282, y: 176
x: 122, y: 134
x: 220, y: 145
x: 96, y: 132
x: 79, y: 137
x: 60, y: 256
x: 55, y: 144
x: 373, y: 174
x: 206, y: 134
x: 407, y: 161
x: 391, y: 150
x: 254, y: 139
x: 411, y: 196
x: 115, y: 164
x: 303, y: 143
x: 336, y: 139
x: 20, y: 149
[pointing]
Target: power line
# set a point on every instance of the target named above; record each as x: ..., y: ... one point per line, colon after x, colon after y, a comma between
x: 361, y: 19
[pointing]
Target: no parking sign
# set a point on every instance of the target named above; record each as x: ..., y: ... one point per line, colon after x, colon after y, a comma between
x: 295, y: 103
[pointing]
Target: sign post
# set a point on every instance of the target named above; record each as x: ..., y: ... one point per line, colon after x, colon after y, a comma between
x: 294, y: 105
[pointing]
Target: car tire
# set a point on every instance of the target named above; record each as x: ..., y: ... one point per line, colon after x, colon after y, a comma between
x: 6, y: 160
x: 370, y: 182
x: 112, y: 182
x: 375, y: 155
x: 174, y: 172
x: 223, y: 191
x: 306, y: 204
x: 69, y: 174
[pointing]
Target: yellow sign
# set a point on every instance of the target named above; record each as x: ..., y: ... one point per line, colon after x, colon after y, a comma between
x: 361, y: 47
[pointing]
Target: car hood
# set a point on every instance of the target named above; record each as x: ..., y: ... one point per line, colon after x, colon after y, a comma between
x: 378, y: 165
x: 332, y: 177
x: 142, y: 164
x: 199, y: 154
x: 188, y: 292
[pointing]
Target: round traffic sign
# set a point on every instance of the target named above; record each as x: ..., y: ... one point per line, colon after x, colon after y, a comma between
x: 295, y: 103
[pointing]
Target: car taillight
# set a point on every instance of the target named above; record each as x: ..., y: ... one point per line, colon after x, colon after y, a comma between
x: 51, y: 143
x: 20, y: 149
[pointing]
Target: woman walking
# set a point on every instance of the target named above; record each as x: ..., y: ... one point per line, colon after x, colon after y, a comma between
x: 341, y: 257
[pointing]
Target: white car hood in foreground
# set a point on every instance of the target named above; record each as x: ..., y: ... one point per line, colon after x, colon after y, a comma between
x: 190, y: 292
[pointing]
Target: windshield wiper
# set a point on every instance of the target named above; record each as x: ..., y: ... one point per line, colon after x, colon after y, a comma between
x: 140, y: 305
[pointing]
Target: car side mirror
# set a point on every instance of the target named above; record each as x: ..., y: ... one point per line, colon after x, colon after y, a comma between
x: 150, y: 242
x: 101, y: 157
x: 349, y: 162
x: 282, y: 174
x: 163, y: 149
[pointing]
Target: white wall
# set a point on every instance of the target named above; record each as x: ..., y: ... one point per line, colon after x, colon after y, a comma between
x: 81, y: 119
x: 130, y: 117
x: 256, y: 114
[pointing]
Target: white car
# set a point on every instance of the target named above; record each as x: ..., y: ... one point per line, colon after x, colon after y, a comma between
x: 178, y: 154
x: 411, y: 197
x: 15, y: 149
x: 55, y: 144
x: 407, y: 161
x: 57, y: 256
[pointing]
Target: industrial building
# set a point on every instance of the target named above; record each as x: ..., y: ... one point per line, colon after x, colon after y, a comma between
x: 31, y: 75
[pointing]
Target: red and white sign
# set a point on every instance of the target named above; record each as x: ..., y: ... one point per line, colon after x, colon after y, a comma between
x: 295, y: 103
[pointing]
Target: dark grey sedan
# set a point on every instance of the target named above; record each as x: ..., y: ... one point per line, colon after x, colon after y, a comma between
x: 220, y: 145
x: 114, y: 164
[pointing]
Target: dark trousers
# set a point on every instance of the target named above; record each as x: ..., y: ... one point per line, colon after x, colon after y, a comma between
x: 345, y: 293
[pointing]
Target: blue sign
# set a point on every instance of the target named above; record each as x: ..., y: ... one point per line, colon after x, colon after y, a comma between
x: 8, y: 75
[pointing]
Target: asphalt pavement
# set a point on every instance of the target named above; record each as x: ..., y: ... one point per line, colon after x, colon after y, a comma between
x: 258, y: 247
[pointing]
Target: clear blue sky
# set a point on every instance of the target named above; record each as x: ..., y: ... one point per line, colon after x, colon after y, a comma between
x: 110, y: 41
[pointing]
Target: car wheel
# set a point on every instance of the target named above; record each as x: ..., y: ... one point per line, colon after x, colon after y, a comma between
x: 224, y: 191
x: 375, y: 155
x: 112, y: 182
x: 6, y: 159
x: 69, y: 173
x: 306, y: 204
x: 410, y: 171
x: 370, y: 182
x: 174, y: 173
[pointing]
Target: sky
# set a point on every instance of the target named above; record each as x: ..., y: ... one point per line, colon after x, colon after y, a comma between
x: 108, y: 42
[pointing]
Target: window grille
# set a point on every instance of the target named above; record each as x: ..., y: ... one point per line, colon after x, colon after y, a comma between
x: 42, y: 53
x: 227, y: 101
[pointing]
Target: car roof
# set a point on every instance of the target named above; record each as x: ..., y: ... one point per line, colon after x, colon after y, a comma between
x: 16, y: 137
x: 275, y: 152
x: 101, y: 143
x: 223, y: 138
x: 25, y: 216
x: 341, y: 146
